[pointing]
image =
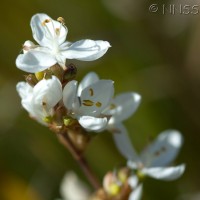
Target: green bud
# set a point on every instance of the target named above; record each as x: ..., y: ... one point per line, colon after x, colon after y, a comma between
x: 47, y: 119
x: 31, y: 79
x: 68, y: 121
x: 39, y: 75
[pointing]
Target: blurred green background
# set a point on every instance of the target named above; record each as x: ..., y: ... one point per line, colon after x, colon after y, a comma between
x: 154, y: 54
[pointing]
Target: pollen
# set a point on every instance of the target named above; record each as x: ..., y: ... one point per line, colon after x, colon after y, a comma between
x: 61, y: 20
x: 88, y: 103
x: 91, y: 92
x: 57, y: 31
x: 45, y: 22
x: 98, y: 104
x: 112, y: 106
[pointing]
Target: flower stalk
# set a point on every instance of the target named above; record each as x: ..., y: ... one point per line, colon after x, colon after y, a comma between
x: 78, y: 156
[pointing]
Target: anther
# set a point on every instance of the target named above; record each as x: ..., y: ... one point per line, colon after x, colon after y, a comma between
x: 61, y: 20
x: 91, y: 92
x: 112, y: 106
x: 88, y: 103
x: 45, y: 22
x: 98, y: 104
x: 57, y: 30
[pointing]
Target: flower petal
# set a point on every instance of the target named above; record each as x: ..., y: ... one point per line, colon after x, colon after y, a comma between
x: 124, y: 105
x: 88, y: 80
x: 98, y: 95
x: 34, y: 61
x: 46, y: 31
x: 165, y: 173
x: 26, y: 93
x: 136, y: 194
x: 163, y: 150
x: 93, y: 123
x: 73, y: 188
x: 86, y: 50
x: 48, y: 92
x: 123, y: 142
x: 70, y: 94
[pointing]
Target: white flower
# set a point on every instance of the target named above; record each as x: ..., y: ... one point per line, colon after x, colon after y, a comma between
x: 87, y: 101
x: 73, y: 189
x: 155, y: 159
x: 52, y: 48
x: 121, y: 108
x: 136, y: 193
x: 40, y: 99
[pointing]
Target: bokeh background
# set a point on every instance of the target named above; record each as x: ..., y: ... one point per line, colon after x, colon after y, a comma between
x: 153, y: 53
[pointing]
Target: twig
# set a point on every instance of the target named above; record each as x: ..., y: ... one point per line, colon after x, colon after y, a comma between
x: 65, y: 140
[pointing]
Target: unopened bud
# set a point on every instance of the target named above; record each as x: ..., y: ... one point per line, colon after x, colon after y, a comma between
x: 39, y: 75
x: 123, y: 174
x: 69, y: 121
x: 70, y: 72
x: 111, y: 184
x: 31, y: 79
x: 48, y: 119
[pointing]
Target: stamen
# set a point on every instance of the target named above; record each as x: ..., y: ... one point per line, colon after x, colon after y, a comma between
x: 91, y: 92
x: 57, y: 31
x: 88, y: 103
x: 112, y: 106
x: 98, y: 104
x: 45, y: 22
x: 61, y: 20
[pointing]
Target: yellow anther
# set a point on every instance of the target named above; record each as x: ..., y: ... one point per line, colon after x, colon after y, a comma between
x: 61, y: 20
x: 112, y: 106
x: 98, y: 104
x: 57, y: 30
x: 88, y: 103
x: 91, y: 92
x: 46, y: 21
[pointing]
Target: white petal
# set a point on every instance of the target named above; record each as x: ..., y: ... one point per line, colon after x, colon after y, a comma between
x: 163, y: 150
x: 24, y: 89
x: 48, y: 91
x: 28, y: 45
x: 86, y: 50
x: 124, y: 106
x: 100, y: 93
x: 133, y: 181
x: 123, y: 142
x: 165, y: 173
x: 93, y: 123
x: 34, y: 61
x: 88, y: 80
x: 136, y: 194
x: 73, y: 188
x: 70, y: 94
x: 46, y: 34
x: 26, y: 93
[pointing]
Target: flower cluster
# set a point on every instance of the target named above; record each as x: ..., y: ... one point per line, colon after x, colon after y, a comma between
x: 53, y: 97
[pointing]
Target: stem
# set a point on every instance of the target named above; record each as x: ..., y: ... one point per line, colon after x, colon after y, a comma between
x: 65, y: 140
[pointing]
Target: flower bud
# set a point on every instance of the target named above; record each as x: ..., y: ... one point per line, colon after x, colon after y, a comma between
x: 70, y: 73
x: 39, y: 75
x: 31, y: 79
